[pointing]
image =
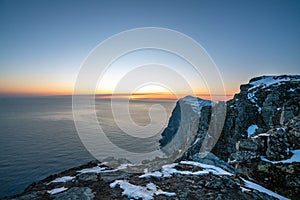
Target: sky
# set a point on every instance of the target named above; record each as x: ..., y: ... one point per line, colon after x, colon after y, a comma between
x: 43, y: 43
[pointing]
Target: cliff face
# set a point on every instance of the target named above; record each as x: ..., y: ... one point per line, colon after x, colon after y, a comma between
x: 184, y: 123
x: 261, y: 131
x: 265, y: 102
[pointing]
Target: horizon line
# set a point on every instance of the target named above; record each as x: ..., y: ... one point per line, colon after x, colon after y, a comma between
x: 132, y: 96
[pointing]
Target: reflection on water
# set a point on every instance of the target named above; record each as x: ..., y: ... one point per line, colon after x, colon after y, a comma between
x: 38, y: 136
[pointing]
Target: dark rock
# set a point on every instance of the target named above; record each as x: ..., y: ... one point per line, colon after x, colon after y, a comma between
x: 87, y: 177
x: 76, y: 193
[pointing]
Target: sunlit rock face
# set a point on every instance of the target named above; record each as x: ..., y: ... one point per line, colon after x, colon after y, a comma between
x: 183, y: 125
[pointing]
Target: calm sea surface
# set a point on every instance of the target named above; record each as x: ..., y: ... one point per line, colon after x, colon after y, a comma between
x: 38, y: 137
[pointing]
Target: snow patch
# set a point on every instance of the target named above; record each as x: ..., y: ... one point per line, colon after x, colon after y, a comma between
x: 63, y: 179
x: 124, y: 166
x: 96, y: 169
x: 253, y: 99
x: 99, y: 169
x: 196, y: 103
x: 262, y: 134
x: 251, y: 129
x: 56, y: 190
x: 268, y: 81
x: 294, y: 158
x: 209, y: 168
x: 155, y: 174
x: 140, y: 192
x: 169, y: 170
x: 255, y: 186
x: 197, y: 140
x: 168, y: 194
x: 245, y: 189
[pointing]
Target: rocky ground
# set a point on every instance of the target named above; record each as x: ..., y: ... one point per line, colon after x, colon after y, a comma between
x: 183, y: 180
x: 256, y: 157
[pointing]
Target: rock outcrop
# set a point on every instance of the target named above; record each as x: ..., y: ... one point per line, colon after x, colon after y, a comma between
x: 184, y: 122
x: 264, y: 103
x: 261, y: 135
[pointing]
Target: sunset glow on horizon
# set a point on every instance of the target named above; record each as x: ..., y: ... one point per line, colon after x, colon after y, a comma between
x: 160, y: 96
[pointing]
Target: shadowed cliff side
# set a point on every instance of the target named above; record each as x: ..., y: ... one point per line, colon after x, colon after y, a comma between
x: 257, y: 126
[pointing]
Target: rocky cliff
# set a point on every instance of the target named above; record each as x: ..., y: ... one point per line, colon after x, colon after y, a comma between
x: 261, y: 135
x: 257, y: 155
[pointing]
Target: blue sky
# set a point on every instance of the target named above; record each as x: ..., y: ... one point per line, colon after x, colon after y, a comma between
x: 43, y: 43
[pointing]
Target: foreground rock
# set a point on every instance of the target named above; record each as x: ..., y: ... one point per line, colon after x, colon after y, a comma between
x: 184, y: 180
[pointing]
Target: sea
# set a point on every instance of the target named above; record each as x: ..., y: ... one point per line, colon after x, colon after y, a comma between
x: 38, y: 136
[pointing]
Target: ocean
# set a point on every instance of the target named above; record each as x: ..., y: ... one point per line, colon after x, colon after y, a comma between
x: 38, y: 136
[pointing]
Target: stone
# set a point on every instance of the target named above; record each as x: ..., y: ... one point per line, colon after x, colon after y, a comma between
x: 88, y: 177
x: 76, y: 193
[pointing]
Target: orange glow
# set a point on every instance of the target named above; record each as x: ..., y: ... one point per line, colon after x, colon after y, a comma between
x: 48, y: 89
x: 160, y: 96
x: 51, y: 90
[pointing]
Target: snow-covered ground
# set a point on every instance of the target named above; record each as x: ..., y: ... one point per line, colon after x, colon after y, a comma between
x: 151, y: 190
x: 249, y: 184
x: 169, y: 170
x: 267, y: 81
x: 57, y: 190
x: 63, y: 179
x: 96, y: 169
x: 140, y: 192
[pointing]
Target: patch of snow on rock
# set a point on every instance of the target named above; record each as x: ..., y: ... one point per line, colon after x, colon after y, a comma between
x: 267, y: 81
x: 156, y: 174
x: 195, y: 103
x: 169, y: 170
x: 253, y: 99
x: 57, y: 190
x: 251, y: 129
x: 209, y: 168
x: 63, y: 179
x: 140, y: 192
x: 168, y: 194
x: 262, y: 134
x: 245, y: 189
x: 96, y: 169
x: 99, y: 169
x: 294, y: 158
x: 255, y: 186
